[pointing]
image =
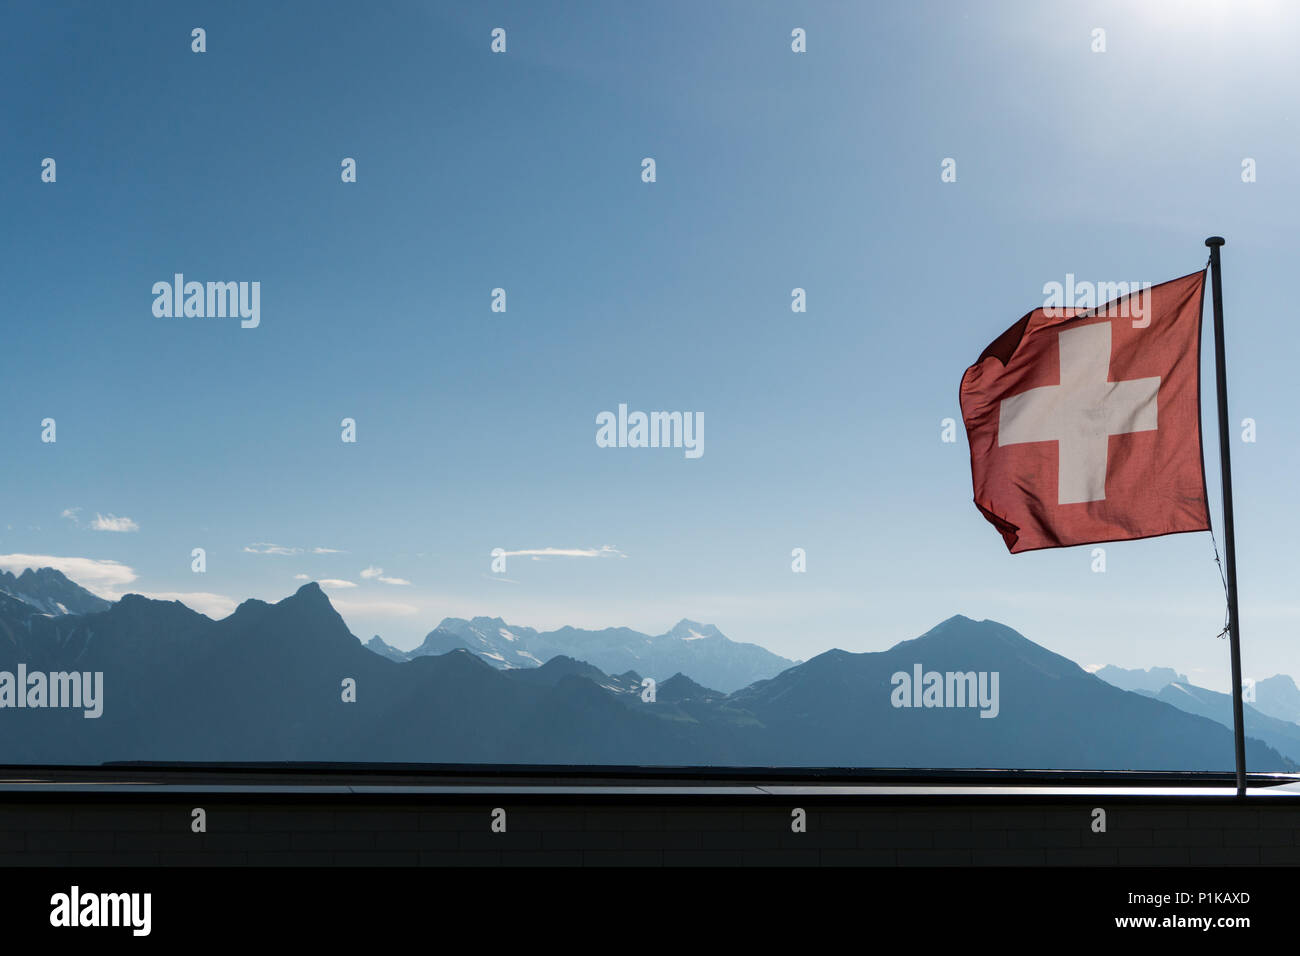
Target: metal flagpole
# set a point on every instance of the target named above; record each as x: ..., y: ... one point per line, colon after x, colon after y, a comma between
x: 1229, y: 541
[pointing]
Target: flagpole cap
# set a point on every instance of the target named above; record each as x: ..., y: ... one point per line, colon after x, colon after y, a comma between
x: 1215, y: 241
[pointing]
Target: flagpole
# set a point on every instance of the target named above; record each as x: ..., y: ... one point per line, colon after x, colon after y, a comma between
x: 1229, y: 538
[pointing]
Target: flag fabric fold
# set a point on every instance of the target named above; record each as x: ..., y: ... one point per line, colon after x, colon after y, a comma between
x: 1085, y: 424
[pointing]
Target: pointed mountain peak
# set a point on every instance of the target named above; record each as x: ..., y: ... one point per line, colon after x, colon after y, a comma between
x: 50, y: 591
x: 43, y: 574
x: 308, y: 599
x: 311, y: 591
x: 381, y: 647
x: 688, y: 630
x: 959, y: 628
x: 955, y: 620
x: 680, y: 687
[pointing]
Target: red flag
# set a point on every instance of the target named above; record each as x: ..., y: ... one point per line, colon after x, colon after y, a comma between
x: 1085, y: 424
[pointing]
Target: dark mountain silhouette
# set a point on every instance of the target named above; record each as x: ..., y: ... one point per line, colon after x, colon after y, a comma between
x: 1282, y: 735
x: 1052, y: 714
x: 680, y: 687
x: 267, y: 683
x: 1272, y: 716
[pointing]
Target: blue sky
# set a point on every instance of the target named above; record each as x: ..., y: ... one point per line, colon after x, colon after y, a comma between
x: 476, y: 430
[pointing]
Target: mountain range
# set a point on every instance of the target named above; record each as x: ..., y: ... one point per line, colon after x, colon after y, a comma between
x: 1271, y: 715
x: 50, y: 592
x: 271, y: 681
x: 699, y: 649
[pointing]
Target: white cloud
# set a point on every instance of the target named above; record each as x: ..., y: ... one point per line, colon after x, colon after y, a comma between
x: 334, y: 584
x: 605, y: 551
x: 372, y: 573
x: 215, y: 606
x: 265, y: 547
x: 113, y: 523
x: 301, y: 577
x: 72, y: 515
x: 262, y: 547
x: 104, y: 578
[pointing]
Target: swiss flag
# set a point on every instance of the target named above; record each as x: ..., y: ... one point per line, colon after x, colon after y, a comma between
x: 1085, y: 424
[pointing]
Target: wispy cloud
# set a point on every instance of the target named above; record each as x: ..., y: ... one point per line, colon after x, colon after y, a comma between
x: 335, y: 584
x: 72, y: 514
x: 263, y: 547
x: 605, y: 551
x: 112, y: 522
x: 373, y: 573
x: 104, y: 578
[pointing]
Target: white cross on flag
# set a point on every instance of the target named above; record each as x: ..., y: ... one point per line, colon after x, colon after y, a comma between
x: 1085, y: 424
